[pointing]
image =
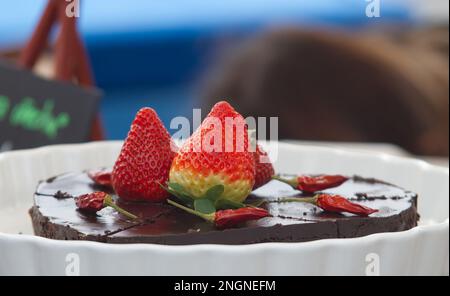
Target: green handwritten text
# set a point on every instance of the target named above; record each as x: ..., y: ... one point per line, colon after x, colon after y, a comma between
x: 28, y: 116
x: 4, y: 106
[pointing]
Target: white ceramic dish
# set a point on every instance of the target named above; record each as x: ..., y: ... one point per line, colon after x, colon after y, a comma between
x: 423, y: 250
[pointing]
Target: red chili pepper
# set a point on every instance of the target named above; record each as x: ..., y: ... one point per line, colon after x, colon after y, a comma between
x: 333, y: 203
x: 336, y: 203
x: 311, y: 184
x: 226, y: 218
x: 230, y: 218
x: 101, y: 177
x: 94, y: 202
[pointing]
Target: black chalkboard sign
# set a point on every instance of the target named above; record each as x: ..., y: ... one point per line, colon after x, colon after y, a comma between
x: 36, y: 112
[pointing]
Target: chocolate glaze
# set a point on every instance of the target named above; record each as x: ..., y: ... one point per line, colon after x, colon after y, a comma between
x: 58, y: 218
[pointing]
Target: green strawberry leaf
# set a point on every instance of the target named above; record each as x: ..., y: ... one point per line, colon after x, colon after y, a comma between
x: 204, y: 206
x: 214, y: 193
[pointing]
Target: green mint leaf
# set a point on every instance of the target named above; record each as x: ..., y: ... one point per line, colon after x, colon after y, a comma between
x: 214, y: 193
x: 204, y: 206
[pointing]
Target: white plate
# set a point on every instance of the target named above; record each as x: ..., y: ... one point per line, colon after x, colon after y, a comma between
x: 423, y: 250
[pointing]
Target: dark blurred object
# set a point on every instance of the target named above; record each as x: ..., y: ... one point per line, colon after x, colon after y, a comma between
x: 71, y: 60
x: 149, y: 53
x: 367, y: 86
x: 36, y: 112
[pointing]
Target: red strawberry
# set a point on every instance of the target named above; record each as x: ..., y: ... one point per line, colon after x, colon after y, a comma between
x: 216, y: 154
x: 145, y: 160
x: 263, y: 167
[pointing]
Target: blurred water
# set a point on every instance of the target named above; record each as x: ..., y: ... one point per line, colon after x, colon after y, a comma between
x: 151, y: 52
x: 120, y: 106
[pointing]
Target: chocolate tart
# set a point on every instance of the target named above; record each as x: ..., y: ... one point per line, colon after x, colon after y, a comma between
x: 54, y: 215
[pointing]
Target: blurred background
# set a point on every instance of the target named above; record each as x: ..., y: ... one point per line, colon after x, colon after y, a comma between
x: 326, y: 69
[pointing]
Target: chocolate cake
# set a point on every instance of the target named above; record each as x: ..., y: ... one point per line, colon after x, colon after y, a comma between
x: 55, y: 216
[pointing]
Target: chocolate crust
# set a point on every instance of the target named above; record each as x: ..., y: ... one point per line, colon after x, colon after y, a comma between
x: 290, y: 222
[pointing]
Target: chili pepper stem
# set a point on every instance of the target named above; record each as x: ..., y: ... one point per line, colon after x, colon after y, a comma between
x: 207, y: 217
x: 108, y: 202
x: 293, y: 182
x: 311, y: 200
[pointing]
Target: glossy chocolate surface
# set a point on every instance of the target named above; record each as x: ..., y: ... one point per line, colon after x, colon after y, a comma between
x: 55, y: 216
